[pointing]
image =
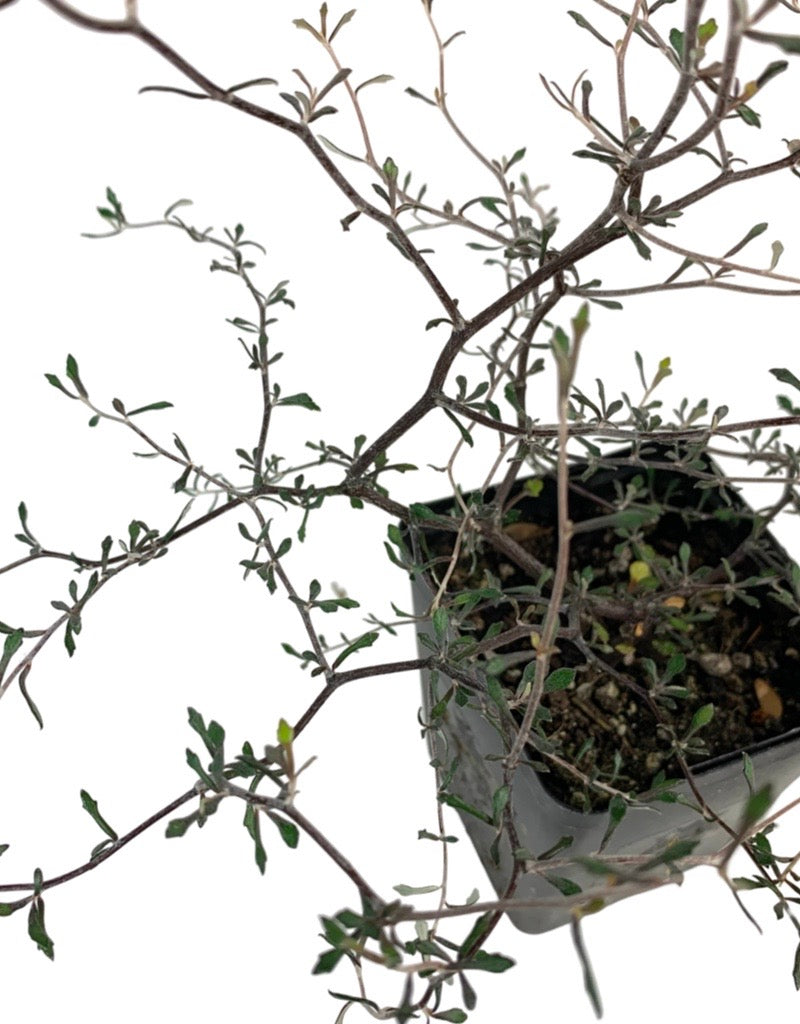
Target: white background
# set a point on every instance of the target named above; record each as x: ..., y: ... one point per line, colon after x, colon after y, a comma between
x: 188, y: 927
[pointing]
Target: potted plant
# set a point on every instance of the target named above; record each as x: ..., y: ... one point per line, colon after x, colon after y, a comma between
x: 679, y: 607
x: 600, y: 597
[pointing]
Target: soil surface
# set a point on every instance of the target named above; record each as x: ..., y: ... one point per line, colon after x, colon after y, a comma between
x: 732, y: 638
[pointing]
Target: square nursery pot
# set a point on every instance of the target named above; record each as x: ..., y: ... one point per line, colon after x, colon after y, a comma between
x: 471, y: 731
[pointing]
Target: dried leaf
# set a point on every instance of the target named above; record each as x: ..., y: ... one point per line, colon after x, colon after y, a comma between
x: 769, y: 699
x: 777, y: 252
x: 521, y: 532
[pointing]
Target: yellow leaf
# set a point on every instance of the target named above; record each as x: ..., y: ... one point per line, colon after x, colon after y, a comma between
x: 285, y: 733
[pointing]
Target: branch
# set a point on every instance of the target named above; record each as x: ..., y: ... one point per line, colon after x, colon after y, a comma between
x: 668, y: 286
x: 643, y: 161
x: 289, y: 811
x: 596, y: 236
x: 728, y: 178
x: 132, y: 26
x: 341, y: 678
x: 109, y: 851
x: 701, y: 258
x: 693, y: 11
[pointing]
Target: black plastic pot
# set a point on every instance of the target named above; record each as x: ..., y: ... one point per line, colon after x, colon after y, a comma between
x: 542, y: 821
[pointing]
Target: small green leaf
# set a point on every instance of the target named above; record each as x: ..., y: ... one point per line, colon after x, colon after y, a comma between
x: 748, y: 771
x: 641, y: 247
x: 701, y: 718
x: 339, y: 77
x: 499, y: 802
x: 748, y: 884
x: 420, y: 511
x: 510, y: 392
x: 684, y: 266
x: 415, y: 890
x: 289, y: 832
x: 604, y: 158
x: 101, y: 848
x: 662, y: 372
x: 53, y: 379
x: 37, y: 930
x: 374, y: 81
x: 74, y: 375
x: 340, y: 23
x: 181, y: 447
x: 706, y: 31
x: 748, y: 115
x: 495, y: 691
x: 423, y: 833
x: 476, y: 933
x: 466, y: 436
x: 675, y: 850
x: 179, y: 826
x: 461, y: 805
x: 580, y: 322
x: 69, y: 639
x: 754, y: 232
x: 562, y: 844
x: 115, y: 203
x: 589, y: 980
x: 301, y: 399
x: 367, y: 640
x: 564, y: 885
x: 520, y: 153
x: 419, y: 96
x: 151, y: 406
x: 440, y: 706
x: 789, y: 44
x: 495, y: 963
x: 559, y: 679
x: 467, y: 991
x: 355, y: 999
x: 454, y: 1016
x: 194, y: 763
x: 534, y: 486
x: 90, y: 806
x: 213, y: 736
x: 328, y: 961
x: 302, y: 23
x: 12, y: 644
x: 777, y: 67
x: 616, y: 812
x: 490, y: 203
x: 676, y: 41
x: 252, y: 823
x: 583, y: 23
x: 786, y: 377
x: 756, y: 807
x: 285, y: 733
x: 441, y: 621
x: 293, y: 102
